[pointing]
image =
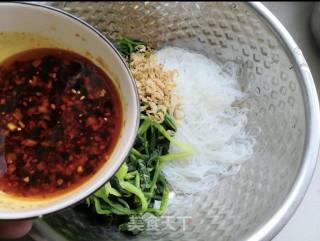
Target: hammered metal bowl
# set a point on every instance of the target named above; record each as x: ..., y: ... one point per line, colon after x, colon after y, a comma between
x: 257, y: 202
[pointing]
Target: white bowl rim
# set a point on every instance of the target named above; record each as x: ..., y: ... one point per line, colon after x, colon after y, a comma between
x: 59, y: 206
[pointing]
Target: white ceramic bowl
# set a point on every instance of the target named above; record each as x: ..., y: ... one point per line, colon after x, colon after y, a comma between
x: 54, y: 28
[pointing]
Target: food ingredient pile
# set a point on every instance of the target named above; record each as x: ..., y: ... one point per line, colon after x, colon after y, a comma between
x: 192, y: 134
x: 212, y: 122
x: 139, y: 187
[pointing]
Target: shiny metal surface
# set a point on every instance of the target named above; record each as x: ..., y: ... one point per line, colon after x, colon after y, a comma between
x: 284, y: 116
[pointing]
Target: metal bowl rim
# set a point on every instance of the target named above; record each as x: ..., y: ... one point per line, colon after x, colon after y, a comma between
x: 312, y: 137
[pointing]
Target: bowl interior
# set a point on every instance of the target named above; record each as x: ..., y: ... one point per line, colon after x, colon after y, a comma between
x: 240, y: 205
x: 41, y: 27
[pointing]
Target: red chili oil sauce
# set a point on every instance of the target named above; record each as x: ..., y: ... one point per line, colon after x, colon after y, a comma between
x: 60, y: 117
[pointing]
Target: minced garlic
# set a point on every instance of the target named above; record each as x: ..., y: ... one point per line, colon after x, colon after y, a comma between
x: 155, y: 86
